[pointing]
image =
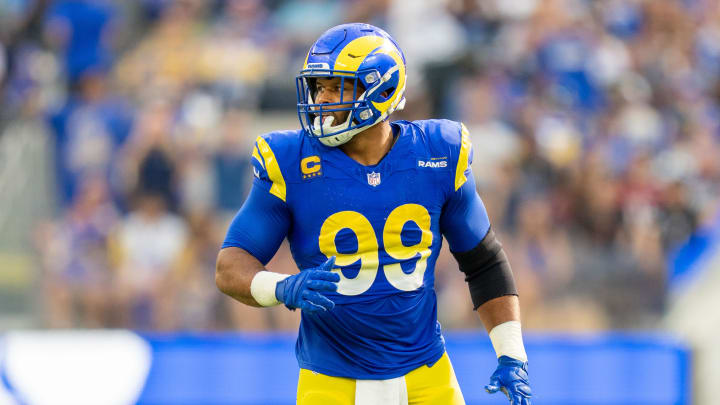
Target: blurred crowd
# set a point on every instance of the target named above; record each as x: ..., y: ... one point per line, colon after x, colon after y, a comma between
x: 595, y: 128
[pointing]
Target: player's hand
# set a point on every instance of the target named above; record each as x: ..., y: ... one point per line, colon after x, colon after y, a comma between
x: 304, y: 290
x: 511, y: 378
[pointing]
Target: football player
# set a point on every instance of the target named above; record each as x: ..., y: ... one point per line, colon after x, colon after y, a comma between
x: 365, y: 204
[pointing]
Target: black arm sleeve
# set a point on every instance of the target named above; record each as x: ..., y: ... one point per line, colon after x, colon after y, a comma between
x: 487, y: 270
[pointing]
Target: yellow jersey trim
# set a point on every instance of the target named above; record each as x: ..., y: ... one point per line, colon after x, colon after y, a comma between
x: 272, y: 167
x: 462, y: 164
x: 256, y: 155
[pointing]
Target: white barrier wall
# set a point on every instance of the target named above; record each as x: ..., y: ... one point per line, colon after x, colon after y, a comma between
x: 72, y: 367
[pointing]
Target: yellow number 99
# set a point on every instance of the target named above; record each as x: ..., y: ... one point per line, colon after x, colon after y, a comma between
x: 396, y: 249
x: 367, y: 251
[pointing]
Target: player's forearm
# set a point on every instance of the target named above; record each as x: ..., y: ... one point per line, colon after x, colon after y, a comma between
x: 501, y: 317
x: 234, y: 272
x: 499, y: 310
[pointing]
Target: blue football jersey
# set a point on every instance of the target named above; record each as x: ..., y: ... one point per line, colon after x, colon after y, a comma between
x: 385, y: 225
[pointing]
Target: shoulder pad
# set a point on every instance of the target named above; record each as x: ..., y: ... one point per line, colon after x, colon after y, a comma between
x: 272, y: 156
x: 452, y: 138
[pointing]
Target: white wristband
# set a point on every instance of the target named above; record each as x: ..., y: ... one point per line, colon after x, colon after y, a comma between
x: 262, y: 287
x: 507, y: 340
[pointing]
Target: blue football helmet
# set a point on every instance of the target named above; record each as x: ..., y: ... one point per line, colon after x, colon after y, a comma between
x: 372, y: 60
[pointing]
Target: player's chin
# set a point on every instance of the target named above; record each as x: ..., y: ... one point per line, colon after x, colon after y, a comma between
x: 341, y: 117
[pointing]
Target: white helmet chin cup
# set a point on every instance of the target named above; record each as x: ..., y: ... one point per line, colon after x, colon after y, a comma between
x: 321, y: 127
x: 326, y: 127
x: 336, y: 140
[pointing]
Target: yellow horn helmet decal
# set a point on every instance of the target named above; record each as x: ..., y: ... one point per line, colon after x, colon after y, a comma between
x: 355, y: 53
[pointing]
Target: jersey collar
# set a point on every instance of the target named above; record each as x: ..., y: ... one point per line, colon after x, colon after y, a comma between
x: 397, y: 157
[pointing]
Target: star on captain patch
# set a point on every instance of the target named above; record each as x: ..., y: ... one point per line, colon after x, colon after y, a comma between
x: 373, y: 179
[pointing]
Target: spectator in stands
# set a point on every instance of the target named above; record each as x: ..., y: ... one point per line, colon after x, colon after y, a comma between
x: 148, y: 247
x: 196, y: 306
x: 231, y: 164
x: 90, y: 129
x: 74, y: 254
x: 83, y: 31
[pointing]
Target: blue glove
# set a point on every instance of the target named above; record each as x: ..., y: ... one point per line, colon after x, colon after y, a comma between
x: 511, y: 378
x: 303, y: 290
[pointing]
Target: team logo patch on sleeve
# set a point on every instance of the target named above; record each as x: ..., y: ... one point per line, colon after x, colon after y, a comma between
x: 311, y: 167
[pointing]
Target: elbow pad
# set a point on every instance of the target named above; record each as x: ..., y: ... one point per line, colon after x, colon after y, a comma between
x: 487, y: 270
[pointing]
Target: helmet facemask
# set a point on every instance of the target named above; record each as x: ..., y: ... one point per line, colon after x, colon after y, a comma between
x: 311, y: 114
x: 360, y: 113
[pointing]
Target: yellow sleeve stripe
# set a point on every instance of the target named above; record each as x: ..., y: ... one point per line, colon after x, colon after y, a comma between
x: 256, y: 155
x: 462, y: 164
x: 278, y: 188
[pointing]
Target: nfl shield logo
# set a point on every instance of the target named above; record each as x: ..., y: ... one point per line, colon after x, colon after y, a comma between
x: 373, y: 178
